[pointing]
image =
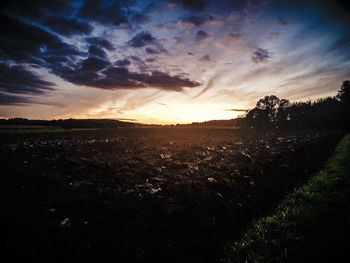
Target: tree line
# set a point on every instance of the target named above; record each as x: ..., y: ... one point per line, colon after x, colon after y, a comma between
x: 70, y: 123
x: 272, y: 112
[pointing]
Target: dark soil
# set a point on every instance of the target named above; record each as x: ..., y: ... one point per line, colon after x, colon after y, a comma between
x: 146, y: 195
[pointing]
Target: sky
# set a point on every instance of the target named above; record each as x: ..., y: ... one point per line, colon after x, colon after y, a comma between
x: 164, y: 62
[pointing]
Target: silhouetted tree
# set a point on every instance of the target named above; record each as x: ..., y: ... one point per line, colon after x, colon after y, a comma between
x: 344, y: 92
x: 326, y: 113
x: 267, y: 112
x: 344, y: 97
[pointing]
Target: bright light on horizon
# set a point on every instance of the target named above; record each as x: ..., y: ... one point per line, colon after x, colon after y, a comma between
x: 176, y: 113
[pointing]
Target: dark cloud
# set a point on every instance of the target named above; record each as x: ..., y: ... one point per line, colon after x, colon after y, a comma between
x: 97, y: 41
x: 179, y: 40
x: 235, y: 36
x: 94, y: 64
x: 123, y: 63
x: 52, y: 60
x: 157, y: 50
x: 75, y: 74
x: 141, y: 39
x: 190, y: 53
x: 205, y: 58
x: 201, y: 35
x: 140, y: 19
x: 37, y: 9
x: 197, y: 20
x: 30, y: 44
x: 87, y: 71
x: 68, y: 26
x: 112, y: 12
x: 18, y: 80
x: 193, y: 4
x: 116, y: 78
x: 6, y: 99
x: 141, y: 65
x: 135, y: 58
x: 112, y: 77
x: 150, y: 50
x: 150, y: 60
x: 261, y: 55
x: 99, y: 73
x: 97, y: 52
x: 165, y: 81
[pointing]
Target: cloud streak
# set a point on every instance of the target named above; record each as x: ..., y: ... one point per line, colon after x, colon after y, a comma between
x: 261, y: 55
x: 17, y: 80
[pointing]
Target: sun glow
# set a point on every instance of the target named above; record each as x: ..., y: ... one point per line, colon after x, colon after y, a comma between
x: 175, y: 113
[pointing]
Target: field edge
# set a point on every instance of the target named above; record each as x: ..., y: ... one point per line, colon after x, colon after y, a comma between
x: 310, y: 225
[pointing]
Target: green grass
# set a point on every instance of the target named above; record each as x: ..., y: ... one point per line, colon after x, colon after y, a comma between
x: 21, y: 131
x: 310, y: 225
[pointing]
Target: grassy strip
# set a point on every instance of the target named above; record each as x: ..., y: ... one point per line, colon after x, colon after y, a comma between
x: 310, y: 225
x: 21, y: 131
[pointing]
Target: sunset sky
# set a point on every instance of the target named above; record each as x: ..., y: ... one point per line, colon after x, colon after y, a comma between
x: 175, y: 61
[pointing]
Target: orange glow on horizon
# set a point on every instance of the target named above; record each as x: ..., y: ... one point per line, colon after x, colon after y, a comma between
x: 177, y: 113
